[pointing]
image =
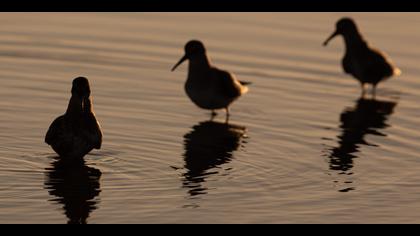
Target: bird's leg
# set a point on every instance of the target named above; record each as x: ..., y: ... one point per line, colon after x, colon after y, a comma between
x: 227, y: 114
x: 363, y: 90
x: 374, y: 91
x: 212, y: 115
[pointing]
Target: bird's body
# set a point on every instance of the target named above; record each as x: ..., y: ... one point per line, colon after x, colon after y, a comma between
x: 209, y: 87
x: 77, y: 132
x: 368, y: 65
x: 213, y: 88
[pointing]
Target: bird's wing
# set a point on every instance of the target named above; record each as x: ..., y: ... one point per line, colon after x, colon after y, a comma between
x: 95, y: 132
x: 231, y: 87
x: 377, y: 64
x: 54, y: 130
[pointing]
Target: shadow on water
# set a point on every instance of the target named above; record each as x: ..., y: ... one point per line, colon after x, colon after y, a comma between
x: 369, y: 116
x: 75, y: 186
x: 207, y: 146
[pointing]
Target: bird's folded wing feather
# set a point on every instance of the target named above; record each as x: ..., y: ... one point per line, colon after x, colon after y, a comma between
x: 54, y: 130
x: 377, y: 64
x: 230, y: 85
x: 95, y: 134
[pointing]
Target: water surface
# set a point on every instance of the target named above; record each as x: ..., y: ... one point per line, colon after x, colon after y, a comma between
x: 300, y: 147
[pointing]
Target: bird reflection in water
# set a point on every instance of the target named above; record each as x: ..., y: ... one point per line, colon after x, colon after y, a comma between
x: 75, y: 186
x: 208, y: 145
x: 369, y: 116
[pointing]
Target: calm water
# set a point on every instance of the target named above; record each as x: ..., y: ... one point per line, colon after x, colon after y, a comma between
x: 300, y: 147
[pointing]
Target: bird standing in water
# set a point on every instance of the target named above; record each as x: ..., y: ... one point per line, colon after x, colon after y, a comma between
x: 209, y: 87
x: 366, y: 64
x: 77, y: 132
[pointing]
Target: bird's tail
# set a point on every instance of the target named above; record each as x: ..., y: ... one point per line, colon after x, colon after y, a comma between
x: 244, y: 88
x: 245, y: 82
x: 397, y: 71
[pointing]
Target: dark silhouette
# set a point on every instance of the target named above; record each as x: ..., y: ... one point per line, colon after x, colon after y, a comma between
x: 76, y: 186
x: 207, y: 86
x: 366, y: 64
x: 369, y: 116
x: 77, y: 132
x: 208, y: 146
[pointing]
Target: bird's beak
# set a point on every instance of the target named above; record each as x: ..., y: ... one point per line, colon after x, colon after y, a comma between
x: 179, y: 62
x: 331, y: 37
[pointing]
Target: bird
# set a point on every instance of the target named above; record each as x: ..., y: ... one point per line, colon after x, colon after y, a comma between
x: 207, y: 86
x: 77, y: 132
x: 367, y: 64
